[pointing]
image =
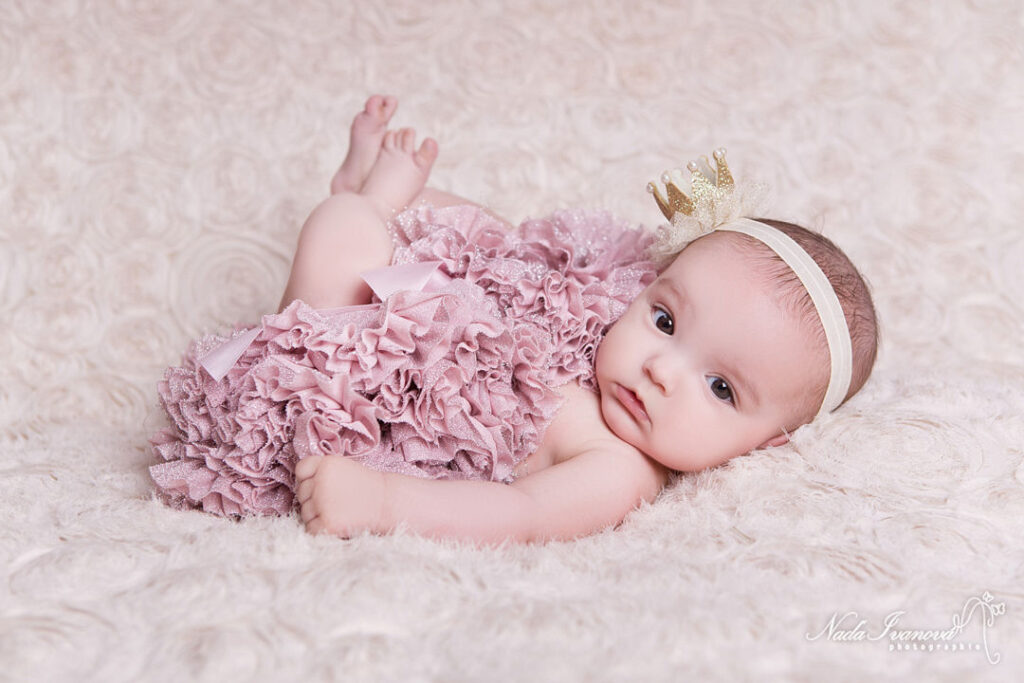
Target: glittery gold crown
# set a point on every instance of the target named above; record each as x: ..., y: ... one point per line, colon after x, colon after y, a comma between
x: 704, y: 194
x: 708, y: 205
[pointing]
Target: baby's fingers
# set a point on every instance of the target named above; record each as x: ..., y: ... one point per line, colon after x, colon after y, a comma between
x: 305, y: 490
x: 307, y: 467
x: 315, y: 526
x: 308, y: 512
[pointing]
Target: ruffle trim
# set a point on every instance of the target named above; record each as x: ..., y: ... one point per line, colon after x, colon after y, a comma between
x: 454, y: 381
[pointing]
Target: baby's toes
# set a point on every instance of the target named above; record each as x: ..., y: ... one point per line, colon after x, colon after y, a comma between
x: 373, y: 105
x: 407, y: 140
x: 426, y: 154
x: 387, y: 107
x: 379, y: 108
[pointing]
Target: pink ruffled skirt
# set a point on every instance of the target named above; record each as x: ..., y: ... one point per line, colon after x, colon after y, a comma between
x: 450, y: 376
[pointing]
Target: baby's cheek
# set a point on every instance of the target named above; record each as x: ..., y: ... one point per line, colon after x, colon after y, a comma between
x: 608, y: 362
x: 600, y: 357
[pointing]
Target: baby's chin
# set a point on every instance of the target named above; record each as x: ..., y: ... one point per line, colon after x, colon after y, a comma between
x: 615, y: 421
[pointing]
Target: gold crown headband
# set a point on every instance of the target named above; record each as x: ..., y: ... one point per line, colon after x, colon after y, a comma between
x: 720, y: 205
x: 705, y: 193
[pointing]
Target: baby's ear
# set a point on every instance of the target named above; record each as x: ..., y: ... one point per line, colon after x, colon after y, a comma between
x: 775, y: 441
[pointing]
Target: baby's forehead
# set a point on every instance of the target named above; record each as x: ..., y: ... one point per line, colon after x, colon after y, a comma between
x: 725, y: 279
x: 730, y: 246
x: 724, y: 260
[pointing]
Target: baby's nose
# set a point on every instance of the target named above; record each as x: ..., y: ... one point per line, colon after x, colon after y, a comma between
x: 658, y: 370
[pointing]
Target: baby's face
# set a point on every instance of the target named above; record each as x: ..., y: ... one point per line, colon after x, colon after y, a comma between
x: 705, y: 365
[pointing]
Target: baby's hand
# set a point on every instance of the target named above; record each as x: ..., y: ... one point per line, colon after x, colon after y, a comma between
x: 339, y: 496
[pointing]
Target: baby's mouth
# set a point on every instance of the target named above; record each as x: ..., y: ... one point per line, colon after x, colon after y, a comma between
x: 632, y: 403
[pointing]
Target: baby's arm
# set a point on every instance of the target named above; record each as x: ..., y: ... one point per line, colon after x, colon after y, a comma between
x: 577, y: 497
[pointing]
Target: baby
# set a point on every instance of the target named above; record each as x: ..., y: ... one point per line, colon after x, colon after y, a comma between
x: 739, y: 332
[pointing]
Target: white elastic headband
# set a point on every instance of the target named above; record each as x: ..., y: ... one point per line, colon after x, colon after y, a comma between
x: 825, y: 302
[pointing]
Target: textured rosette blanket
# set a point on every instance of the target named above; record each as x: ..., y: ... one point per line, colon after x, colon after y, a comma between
x: 450, y: 373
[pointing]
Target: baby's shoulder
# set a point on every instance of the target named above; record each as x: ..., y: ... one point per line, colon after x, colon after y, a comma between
x: 580, y: 428
x: 578, y: 421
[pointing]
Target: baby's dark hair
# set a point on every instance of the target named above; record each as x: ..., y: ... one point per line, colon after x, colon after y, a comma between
x: 850, y: 287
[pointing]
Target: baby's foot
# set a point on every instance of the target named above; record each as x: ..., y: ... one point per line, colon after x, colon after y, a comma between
x: 401, y: 170
x: 365, y: 137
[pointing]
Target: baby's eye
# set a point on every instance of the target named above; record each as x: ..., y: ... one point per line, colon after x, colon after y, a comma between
x: 662, y: 320
x: 720, y: 388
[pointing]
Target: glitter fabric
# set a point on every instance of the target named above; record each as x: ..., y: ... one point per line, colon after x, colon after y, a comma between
x: 455, y: 380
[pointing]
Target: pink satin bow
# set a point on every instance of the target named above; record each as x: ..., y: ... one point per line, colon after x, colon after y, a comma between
x: 383, y: 281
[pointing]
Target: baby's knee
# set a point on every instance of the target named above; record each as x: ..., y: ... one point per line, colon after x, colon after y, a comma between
x: 342, y: 216
x: 338, y: 213
x: 347, y: 224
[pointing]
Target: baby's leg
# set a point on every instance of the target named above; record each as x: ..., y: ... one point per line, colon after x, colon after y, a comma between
x: 346, y: 234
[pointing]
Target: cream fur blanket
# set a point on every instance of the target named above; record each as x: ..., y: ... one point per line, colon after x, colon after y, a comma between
x: 157, y: 160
